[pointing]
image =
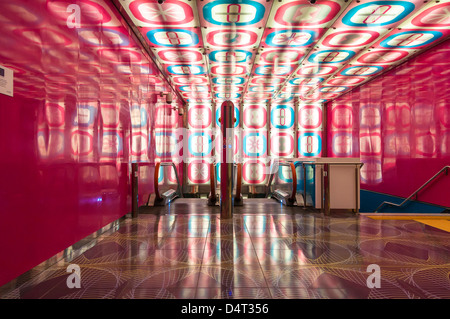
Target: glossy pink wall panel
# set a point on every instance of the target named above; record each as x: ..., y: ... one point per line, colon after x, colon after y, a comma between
x: 83, y: 110
x: 47, y: 205
x: 399, y: 124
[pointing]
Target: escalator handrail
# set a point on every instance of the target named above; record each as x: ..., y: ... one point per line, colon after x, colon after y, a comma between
x: 294, y: 181
x: 156, y: 178
x: 212, y: 181
x: 155, y: 182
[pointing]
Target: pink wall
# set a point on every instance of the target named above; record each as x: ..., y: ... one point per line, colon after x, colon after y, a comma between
x: 83, y: 108
x: 399, y: 124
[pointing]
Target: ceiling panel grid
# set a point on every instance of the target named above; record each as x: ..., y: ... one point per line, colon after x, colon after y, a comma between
x: 262, y: 51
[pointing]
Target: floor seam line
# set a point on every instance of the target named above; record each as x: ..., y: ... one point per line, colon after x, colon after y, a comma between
x: 201, y: 264
x: 257, y: 258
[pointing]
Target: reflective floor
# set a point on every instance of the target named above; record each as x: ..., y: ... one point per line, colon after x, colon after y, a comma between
x: 266, y: 251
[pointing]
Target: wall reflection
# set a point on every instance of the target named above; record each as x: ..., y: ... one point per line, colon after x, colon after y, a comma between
x: 401, y: 122
x: 83, y: 109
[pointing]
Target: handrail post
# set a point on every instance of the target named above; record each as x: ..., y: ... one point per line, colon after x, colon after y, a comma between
x: 304, y: 185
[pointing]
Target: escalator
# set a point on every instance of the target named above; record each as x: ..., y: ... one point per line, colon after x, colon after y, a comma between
x: 169, y: 195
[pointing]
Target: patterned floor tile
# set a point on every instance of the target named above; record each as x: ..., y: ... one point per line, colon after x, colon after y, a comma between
x: 233, y: 293
x: 256, y: 254
x: 231, y: 275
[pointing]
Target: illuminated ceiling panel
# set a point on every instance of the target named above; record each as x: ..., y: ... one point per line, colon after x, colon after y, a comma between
x: 259, y: 51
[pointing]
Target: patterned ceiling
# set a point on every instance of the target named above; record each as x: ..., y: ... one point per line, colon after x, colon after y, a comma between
x: 275, y: 51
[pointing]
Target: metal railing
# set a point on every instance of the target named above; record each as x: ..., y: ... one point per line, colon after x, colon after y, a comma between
x: 445, y: 168
x: 273, y: 169
x: 156, y: 179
